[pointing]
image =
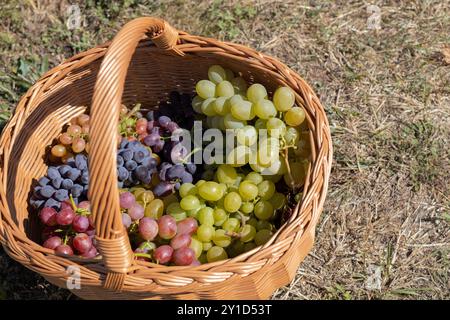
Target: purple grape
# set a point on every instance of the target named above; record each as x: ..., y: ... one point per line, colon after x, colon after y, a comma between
x: 81, y: 161
x: 158, y: 146
x: 67, y: 184
x: 47, y: 191
x: 191, y: 167
x: 64, y: 169
x: 122, y: 173
x: 152, y: 139
x: 76, y: 190
x: 127, y: 155
x: 163, y: 170
x: 163, y: 189
x: 53, y: 173
x: 126, y: 220
x: 175, y: 172
x: 52, y: 203
x: 150, y: 125
x: 136, y: 211
x: 164, y: 121
x: 178, y: 153
x: 127, y: 200
x: 120, y: 161
x: 150, y: 115
x: 56, y: 182
x: 73, y: 174
x: 130, y: 165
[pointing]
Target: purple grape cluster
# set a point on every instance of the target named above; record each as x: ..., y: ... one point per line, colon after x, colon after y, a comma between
x: 135, y: 164
x: 71, y: 178
x: 178, y: 108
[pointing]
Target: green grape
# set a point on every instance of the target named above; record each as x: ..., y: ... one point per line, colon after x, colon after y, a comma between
x: 262, y: 236
x: 175, y: 210
x: 199, y: 183
x: 283, y: 99
x: 292, y: 136
x: 266, y: 189
x: 263, y: 224
x: 256, y: 167
x: 216, y: 254
x: 220, y: 216
x: 235, y: 100
x: 194, y: 213
x: 225, y: 89
x: 197, y: 104
x: 230, y: 74
x: 263, y: 210
x: 260, y: 124
x: 248, y: 233
x: 248, y: 190
x: 231, y: 122
x: 274, y: 178
x: 265, y: 109
x: 145, y: 196
x: 224, y: 187
x: 294, y: 116
x: 197, y: 246
x: 256, y: 92
x: 231, y: 224
x: 275, y: 127
x: 247, y: 135
x: 243, y: 110
x: 298, y: 173
x: 154, y: 209
x: 240, y: 85
x: 216, y: 74
x: 207, y: 245
x: 202, y: 259
x: 210, y: 191
x: 268, y: 152
x: 221, y: 106
x: 278, y: 200
x: 235, y: 249
x: 205, y: 89
x: 137, y: 192
x: 254, y: 177
x: 187, y: 189
x: 221, y: 239
x: 206, y: 216
x: 190, y: 203
x: 247, y: 207
x: 239, y: 156
x: 226, y: 174
x: 205, y: 232
x: 232, y: 202
x: 208, y: 107
x: 252, y: 221
x: 249, y: 246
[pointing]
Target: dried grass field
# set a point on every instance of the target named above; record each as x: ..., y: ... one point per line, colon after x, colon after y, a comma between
x: 385, y: 85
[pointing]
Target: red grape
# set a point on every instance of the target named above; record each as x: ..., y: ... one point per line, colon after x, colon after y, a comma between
x: 136, y: 211
x: 148, y: 228
x: 141, y: 128
x: 180, y: 241
x: 195, y: 263
x: 85, y: 205
x: 126, y: 220
x: 52, y: 242
x: 187, y: 226
x: 163, y: 254
x: 167, y: 227
x: 91, y: 253
x: 48, y: 216
x: 183, y: 256
x: 64, y: 249
x: 65, y: 217
x: 66, y: 204
x: 127, y: 200
x: 80, y: 223
x: 82, y: 243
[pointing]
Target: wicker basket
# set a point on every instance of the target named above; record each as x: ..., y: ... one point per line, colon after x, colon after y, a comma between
x: 147, y: 59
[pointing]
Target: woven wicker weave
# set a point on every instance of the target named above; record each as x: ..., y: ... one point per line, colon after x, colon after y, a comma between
x: 144, y: 62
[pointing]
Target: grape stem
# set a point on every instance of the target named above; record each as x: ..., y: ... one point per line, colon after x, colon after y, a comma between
x: 79, y: 211
x: 135, y: 109
x: 291, y: 178
x: 184, y: 160
x: 143, y: 255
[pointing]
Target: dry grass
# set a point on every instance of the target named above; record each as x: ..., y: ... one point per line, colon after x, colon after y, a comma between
x: 387, y: 95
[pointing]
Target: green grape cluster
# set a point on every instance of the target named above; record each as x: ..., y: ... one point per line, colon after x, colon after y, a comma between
x: 235, y: 212
x: 229, y: 102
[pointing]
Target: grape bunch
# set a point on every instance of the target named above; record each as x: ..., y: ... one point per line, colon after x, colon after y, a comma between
x: 61, y: 181
x: 230, y: 103
x: 157, y: 237
x: 73, y: 141
x: 235, y: 212
x: 69, y: 230
x: 178, y: 108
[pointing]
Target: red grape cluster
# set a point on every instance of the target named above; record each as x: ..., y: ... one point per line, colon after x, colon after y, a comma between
x: 162, y: 240
x: 69, y: 230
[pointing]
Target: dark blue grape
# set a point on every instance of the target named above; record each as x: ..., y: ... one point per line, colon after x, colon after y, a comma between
x: 152, y: 139
x: 36, y: 203
x: 130, y: 165
x: 76, y: 190
x: 158, y: 146
x: 141, y: 172
x: 67, y: 184
x: 64, y: 169
x: 163, y: 189
x: 81, y: 161
x: 150, y: 115
x: 56, y: 183
x: 53, y: 173
x: 47, y: 191
x: 43, y: 181
x: 73, y: 174
x: 163, y: 170
x: 84, y: 177
x: 186, y: 177
x: 164, y: 121
x: 36, y: 191
x: 120, y: 161
x: 134, y: 145
x: 52, y: 203
x: 61, y: 195
x: 122, y: 173
x: 191, y: 167
x: 123, y: 144
x: 127, y: 155
x: 140, y: 154
x: 150, y: 125
x: 120, y: 184
x: 175, y: 172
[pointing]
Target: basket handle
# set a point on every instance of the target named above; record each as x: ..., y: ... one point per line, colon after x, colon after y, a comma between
x: 111, y: 236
